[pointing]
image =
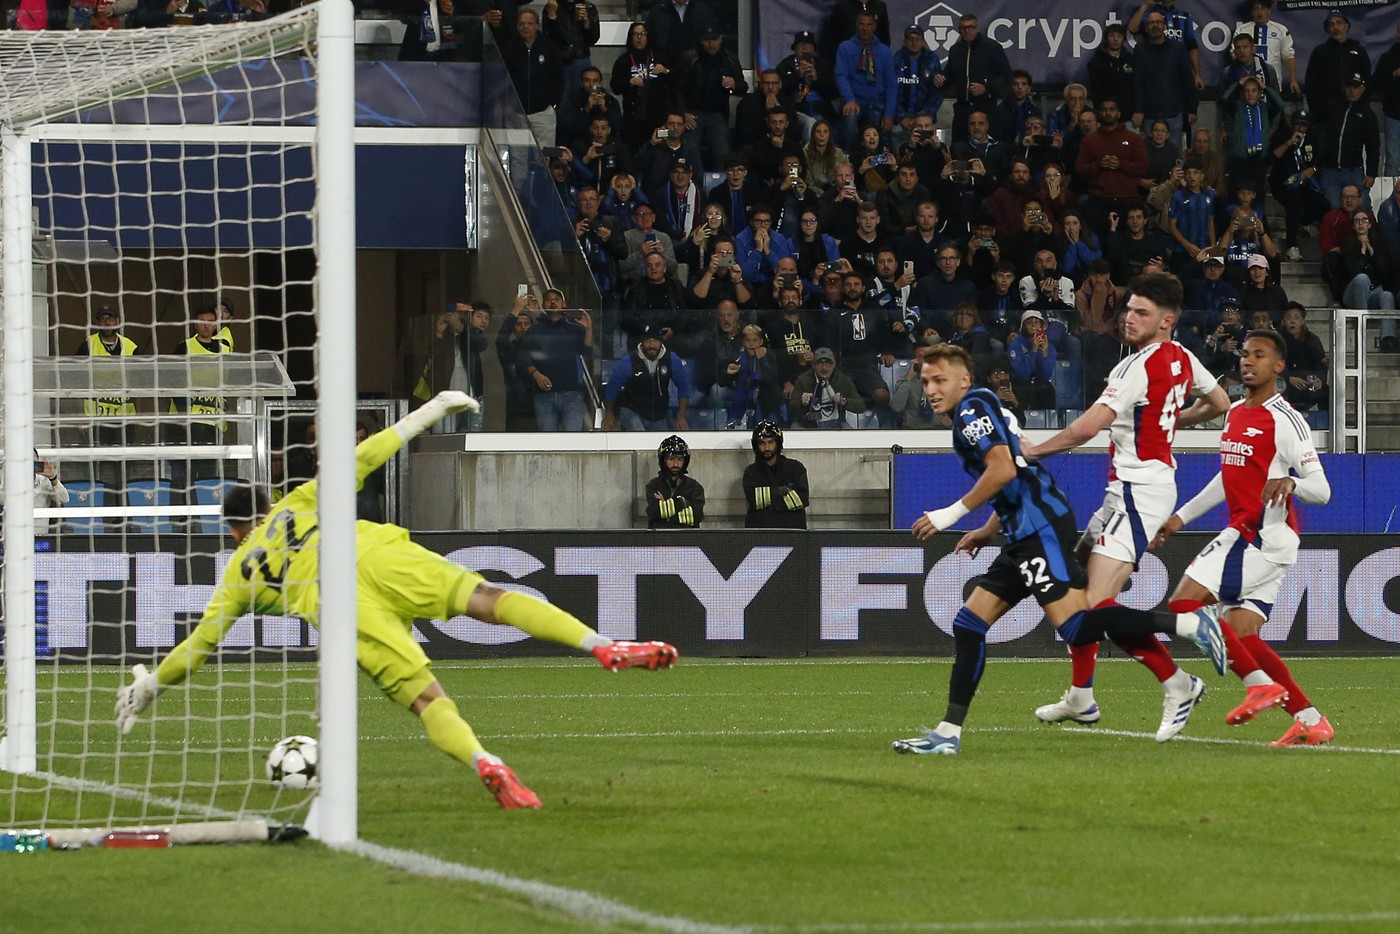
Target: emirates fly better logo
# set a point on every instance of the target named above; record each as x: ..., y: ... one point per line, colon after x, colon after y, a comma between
x: 940, y: 23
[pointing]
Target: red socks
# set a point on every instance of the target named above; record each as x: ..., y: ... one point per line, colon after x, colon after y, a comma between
x: 1153, y: 654
x: 1082, y: 659
x: 1275, y: 668
x: 1242, y: 660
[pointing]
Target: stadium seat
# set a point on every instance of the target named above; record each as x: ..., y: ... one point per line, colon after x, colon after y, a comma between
x: 82, y: 494
x: 150, y: 493
x: 210, y: 493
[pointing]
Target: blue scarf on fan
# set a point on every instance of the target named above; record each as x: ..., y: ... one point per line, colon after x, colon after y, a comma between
x: 1254, y: 128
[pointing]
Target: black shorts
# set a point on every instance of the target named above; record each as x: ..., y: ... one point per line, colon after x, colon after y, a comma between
x: 1041, y: 566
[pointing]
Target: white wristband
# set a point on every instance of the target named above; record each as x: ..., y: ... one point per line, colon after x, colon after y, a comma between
x: 944, y: 518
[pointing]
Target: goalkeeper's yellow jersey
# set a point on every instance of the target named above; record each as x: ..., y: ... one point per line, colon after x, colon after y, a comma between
x: 276, y: 568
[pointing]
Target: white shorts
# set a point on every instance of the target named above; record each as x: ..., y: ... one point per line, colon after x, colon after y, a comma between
x: 1131, y: 514
x: 1237, y: 572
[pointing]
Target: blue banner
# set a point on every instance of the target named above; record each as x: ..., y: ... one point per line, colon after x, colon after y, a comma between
x: 1054, y: 39
x: 1365, y: 490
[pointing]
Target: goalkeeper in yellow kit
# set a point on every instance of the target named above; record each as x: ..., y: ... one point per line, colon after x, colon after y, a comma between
x: 276, y: 570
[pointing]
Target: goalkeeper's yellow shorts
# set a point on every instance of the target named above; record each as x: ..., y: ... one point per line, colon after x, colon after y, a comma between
x: 400, y: 581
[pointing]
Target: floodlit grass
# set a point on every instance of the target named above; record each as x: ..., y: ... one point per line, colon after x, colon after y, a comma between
x: 764, y: 795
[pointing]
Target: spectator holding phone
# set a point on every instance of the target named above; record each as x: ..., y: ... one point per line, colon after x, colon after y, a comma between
x: 643, y: 240
x: 1305, y: 375
x: 587, y: 100
x: 1204, y: 297
x: 1244, y: 238
x: 915, y: 68
x: 574, y: 28
x: 643, y: 81
x: 875, y: 164
x: 600, y: 156
x: 837, y: 208
x: 1032, y: 358
x: 1223, y: 346
x: 721, y: 279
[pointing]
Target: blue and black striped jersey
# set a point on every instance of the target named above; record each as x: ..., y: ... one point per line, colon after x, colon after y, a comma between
x: 1031, y: 501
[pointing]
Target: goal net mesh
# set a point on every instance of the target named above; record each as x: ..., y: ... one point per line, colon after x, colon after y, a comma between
x: 173, y: 177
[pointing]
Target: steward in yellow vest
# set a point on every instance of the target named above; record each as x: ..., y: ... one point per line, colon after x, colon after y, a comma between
x: 107, y: 341
x: 203, y: 341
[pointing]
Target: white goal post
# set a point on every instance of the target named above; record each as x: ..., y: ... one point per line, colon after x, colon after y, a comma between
x: 157, y: 92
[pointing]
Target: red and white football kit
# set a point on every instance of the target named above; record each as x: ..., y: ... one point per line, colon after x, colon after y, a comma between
x: 1146, y: 392
x: 1244, y: 564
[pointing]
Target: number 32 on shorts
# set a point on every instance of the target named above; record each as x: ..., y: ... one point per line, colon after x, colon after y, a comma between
x: 1033, y: 570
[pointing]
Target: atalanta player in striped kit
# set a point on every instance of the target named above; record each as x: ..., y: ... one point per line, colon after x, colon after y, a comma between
x: 1266, y: 459
x: 1142, y: 406
x: 1038, y: 559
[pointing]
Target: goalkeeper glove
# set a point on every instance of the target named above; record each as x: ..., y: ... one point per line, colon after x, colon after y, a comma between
x: 433, y: 411
x: 135, y: 697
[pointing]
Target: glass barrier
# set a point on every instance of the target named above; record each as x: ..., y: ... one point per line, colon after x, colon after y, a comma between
x: 533, y: 179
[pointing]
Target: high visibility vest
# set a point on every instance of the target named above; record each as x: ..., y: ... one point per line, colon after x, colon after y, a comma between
x: 203, y: 405
x: 424, y: 389
x: 110, y: 405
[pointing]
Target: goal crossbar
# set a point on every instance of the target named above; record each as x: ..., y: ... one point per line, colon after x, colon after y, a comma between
x: 39, y: 72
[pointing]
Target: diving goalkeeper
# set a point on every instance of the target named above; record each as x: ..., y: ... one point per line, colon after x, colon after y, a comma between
x: 276, y: 570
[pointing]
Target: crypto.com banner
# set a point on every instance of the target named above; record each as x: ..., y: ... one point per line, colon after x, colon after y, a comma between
x: 721, y: 593
x: 1054, y: 39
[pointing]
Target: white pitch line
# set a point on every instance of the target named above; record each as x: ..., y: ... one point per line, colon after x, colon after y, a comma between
x: 936, y: 927
x: 577, y: 904
x: 1221, y: 741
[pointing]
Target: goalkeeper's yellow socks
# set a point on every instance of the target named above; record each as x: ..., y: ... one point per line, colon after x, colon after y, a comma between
x: 449, y: 732
x: 545, y: 621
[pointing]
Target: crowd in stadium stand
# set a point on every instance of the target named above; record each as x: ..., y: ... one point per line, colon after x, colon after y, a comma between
x: 736, y: 232
x: 842, y: 225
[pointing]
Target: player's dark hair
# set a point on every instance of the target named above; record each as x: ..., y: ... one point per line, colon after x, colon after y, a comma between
x: 1162, y: 289
x: 1273, y: 337
x: 246, y: 503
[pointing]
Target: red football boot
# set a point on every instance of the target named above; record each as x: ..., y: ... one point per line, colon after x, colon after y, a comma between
x: 1257, y: 699
x: 501, y: 782
x: 650, y: 655
x: 1300, y: 734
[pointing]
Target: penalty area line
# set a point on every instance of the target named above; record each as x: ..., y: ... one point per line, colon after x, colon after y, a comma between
x: 577, y: 904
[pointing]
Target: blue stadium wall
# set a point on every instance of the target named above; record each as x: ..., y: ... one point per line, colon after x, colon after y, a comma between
x: 719, y: 593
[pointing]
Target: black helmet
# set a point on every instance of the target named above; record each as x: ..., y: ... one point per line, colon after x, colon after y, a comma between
x: 673, y: 446
x: 767, y: 429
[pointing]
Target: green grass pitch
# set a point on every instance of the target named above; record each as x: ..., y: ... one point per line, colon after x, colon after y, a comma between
x: 763, y: 796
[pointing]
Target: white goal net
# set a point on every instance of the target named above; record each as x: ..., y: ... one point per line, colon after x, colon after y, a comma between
x: 163, y: 237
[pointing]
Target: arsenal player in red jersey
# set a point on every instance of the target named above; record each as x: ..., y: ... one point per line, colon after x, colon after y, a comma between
x: 1266, y: 459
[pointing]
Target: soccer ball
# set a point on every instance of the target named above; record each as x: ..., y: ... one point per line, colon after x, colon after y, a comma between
x: 292, y: 763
